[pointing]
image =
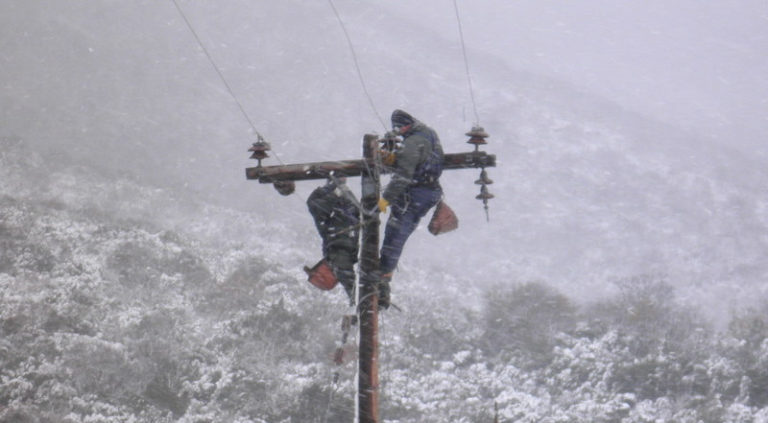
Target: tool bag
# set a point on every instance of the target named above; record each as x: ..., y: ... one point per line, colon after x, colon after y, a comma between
x: 443, y: 219
x: 321, y: 275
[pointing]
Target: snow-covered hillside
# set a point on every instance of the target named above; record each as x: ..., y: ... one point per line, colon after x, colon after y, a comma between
x: 110, y: 314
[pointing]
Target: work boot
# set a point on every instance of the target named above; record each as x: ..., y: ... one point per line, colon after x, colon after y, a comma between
x: 384, y: 292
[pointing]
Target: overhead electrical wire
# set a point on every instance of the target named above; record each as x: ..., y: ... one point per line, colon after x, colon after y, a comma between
x: 221, y: 75
x: 357, y: 65
x: 466, y: 63
x: 218, y: 71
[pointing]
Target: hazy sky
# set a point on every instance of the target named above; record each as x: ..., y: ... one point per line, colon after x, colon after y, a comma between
x: 699, y: 65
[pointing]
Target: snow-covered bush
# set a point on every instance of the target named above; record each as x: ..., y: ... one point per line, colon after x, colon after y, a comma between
x: 108, y: 319
x: 522, y: 321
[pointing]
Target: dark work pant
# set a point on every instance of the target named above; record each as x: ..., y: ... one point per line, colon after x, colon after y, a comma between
x: 342, y: 261
x: 407, y: 210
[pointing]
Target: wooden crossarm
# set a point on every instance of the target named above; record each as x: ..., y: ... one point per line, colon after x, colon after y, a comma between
x: 321, y: 170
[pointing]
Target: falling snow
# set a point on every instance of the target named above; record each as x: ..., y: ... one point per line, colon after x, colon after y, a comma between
x: 622, y: 276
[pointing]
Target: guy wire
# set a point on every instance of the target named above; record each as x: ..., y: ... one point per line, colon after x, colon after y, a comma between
x: 357, y: 65
x: 466, y: 63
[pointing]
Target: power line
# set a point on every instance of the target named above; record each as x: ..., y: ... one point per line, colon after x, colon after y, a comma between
x: 466, y: 63
x: 221, y: 76
x: 357, y: 65
x: 216, y: 68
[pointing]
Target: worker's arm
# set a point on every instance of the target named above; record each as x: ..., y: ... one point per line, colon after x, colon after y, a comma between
x: 412, y: 152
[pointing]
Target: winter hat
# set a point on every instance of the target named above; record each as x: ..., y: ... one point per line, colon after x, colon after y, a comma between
x: 401, y: 118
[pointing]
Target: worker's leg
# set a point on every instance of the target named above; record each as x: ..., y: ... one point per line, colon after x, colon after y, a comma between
x: 407, y: 211
x: 343, y: 265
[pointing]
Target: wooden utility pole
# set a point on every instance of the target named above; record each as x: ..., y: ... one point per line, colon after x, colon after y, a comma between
x: 283, y: 178
x: 368, y: 308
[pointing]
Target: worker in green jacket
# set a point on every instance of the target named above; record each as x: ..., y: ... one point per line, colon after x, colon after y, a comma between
x: 413, y: 190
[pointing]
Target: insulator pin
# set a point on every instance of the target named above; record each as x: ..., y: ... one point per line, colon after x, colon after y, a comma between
x: 477, y: 136
x: 484, y: 194
x: 259, y: 150
x: 484, y: 179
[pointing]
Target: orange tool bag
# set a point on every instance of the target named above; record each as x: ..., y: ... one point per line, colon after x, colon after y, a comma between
x: 321, y: 275
x: 443, y: 220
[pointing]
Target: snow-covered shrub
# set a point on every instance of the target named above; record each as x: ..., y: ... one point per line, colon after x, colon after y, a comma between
x: 749, y: 350
x: 110, y: 319
x: 522, y: 321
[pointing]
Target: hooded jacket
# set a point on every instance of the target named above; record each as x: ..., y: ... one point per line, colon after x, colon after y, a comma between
x: 336, y: 217
x: 414, y: 151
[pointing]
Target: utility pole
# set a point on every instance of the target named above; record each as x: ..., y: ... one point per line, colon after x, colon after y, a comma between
x: 283, y: 178
x: 368, y: 363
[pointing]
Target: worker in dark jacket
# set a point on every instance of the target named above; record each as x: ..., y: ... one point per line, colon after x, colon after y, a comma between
x: 337, y: 220
x: 412, y: 191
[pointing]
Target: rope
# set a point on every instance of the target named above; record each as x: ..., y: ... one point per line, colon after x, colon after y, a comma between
x: 466, y: 63
x: 357, y: 65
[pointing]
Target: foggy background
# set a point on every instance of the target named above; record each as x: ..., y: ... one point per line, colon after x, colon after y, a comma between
x: 630, y: 137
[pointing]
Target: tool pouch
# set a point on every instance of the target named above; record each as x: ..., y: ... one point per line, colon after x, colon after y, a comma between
x: 321, y: 275
x: 443, y: 219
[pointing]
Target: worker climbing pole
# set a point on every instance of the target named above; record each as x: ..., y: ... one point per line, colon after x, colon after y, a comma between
x: 283, y: 178
x: 370, y: 169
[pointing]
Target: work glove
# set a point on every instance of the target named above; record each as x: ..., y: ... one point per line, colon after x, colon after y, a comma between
x: 383, y: 204
x: 387, y: 157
